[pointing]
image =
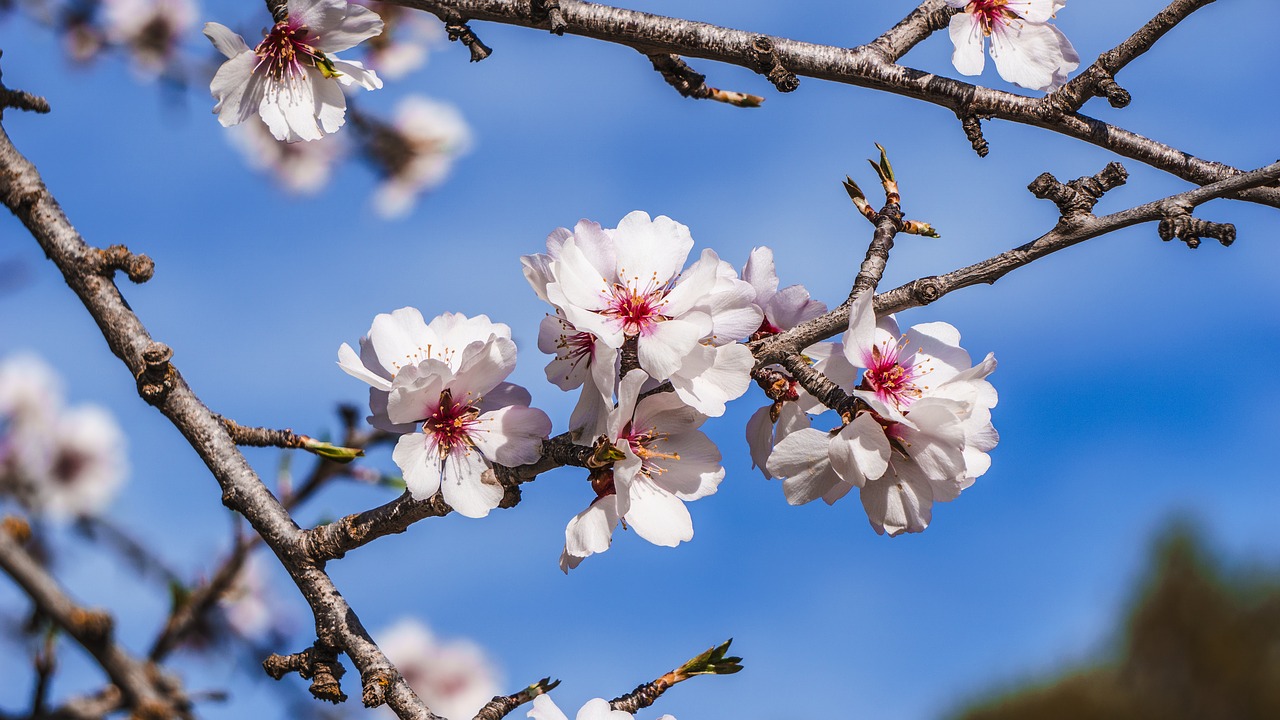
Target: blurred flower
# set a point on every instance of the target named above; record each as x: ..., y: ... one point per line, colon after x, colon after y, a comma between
x: 291, y: 79
x: 406, y: 40
x: 248, y: 605
x: 544, y: 708
x: 415, y: 152
x: 1027, y: 50
x: 302, y: 168
x: 30, y: 391
x: 443, y: 385
x: 63, y: 463
x: 151, y: 29
x: 454, y: 679
x: 661, y: 461
x: 919, y: 432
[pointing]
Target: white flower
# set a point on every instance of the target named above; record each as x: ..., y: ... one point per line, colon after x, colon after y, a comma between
x: 918, y: 435
x: 544, y: 708
x: 291, y: 79
x: 30, y: 390
x: 152, y: 29
x: 1027, y: 50
x: 76, y: 466
x: 416, y: 152
x: 443, y: 384
x: 782, y: 309
x: 248, y: 605
x: 300, y: 167
x: 626, y: 284
x: 406, y: 39
x: 666, y: 461
x: 454, y: 678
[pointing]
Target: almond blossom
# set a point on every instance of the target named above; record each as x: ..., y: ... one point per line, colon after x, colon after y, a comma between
x: 918, y: 432
x: 442, y: 386
x: 151, y: 29
x: 291, y: 79
x: 782, y: 310
x: 661, y: 461
x: 454, y: 678
x: 613, y: 286
x: 303, y: 168
x: 415, y: 152
x: 1027, y: 50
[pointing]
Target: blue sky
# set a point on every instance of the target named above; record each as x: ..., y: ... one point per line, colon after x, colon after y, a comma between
x: 1135, y: 376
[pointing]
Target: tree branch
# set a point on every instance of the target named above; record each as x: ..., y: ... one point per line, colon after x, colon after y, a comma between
x: 864, y: 66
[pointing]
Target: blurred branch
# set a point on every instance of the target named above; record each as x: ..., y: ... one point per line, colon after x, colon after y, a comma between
x: 146, y: 690
x: 871, y: 66
x: 160, y: 384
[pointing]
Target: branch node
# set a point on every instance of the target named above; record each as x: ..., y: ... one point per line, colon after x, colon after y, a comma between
x: 458, y: 29
x: 767, y: 64
x: 692, y: 84
x: 158, y: 376
x: 95, y: 625
x: 971, y: 122
x: 375, y: 687
x: 549, y: 10
x: 1180, y: 224
x: 139, y: 268
x: 926, y: 290
x: 316, y: 663
x: 1080, y: 195
x: 1108, y: 87
x: 17, y: 528
x: 21, y: 100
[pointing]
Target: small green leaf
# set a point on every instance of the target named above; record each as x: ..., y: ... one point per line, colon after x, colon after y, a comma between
x: 329, y: 451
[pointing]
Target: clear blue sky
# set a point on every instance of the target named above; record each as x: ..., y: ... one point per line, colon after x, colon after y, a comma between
x: 1136, y: 377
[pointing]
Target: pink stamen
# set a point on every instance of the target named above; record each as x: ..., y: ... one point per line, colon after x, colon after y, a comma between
x: 451, y: 424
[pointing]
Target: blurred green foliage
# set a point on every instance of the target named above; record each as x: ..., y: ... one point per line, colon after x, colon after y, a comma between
x: 1201, y: 642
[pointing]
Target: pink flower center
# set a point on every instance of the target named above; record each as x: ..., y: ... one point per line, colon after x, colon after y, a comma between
x: 451, y: 424
x: 991, y: 13
x: 891, y: 380
x: 637, y: 309
x: 285, y: 51
x: 642, y: 445
x: 577, y: 347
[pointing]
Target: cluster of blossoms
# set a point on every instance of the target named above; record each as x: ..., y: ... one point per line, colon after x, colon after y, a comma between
x: 917, y: 429
x: 1027, y: 50
x: 454, y: 678
x: 60, y: 462
x: 441, y: 387
x: 624, y: 300
x: 151, y: 29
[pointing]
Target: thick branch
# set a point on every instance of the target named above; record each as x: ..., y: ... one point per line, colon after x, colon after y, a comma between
x: 337, y: 625
x: 863, y: 67
x: 930, y: 17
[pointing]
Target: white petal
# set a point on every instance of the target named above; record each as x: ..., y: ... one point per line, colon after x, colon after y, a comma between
x: 468, y: 485
x: 227, y: 42
x: 351, y: 364
x: 760, y: 439
x: 860, y: 451
x: 237, y: 89
x: 338, y: 23
x: 419, y: 460
x: 512, y: 435
x: 760, y: 272
x: 1032, y: 55
x: 656, y: 515
x: 650, y: 250
x: 802, y: 459
x: 598, y: 709
x: 544, y: 708
x: 966, y: 35
x: 712, y: 376
x: 665, y: 348
x: 353, y: 72
x: 896, y: 506
x: 591, y: 531
x: 861, y: 336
